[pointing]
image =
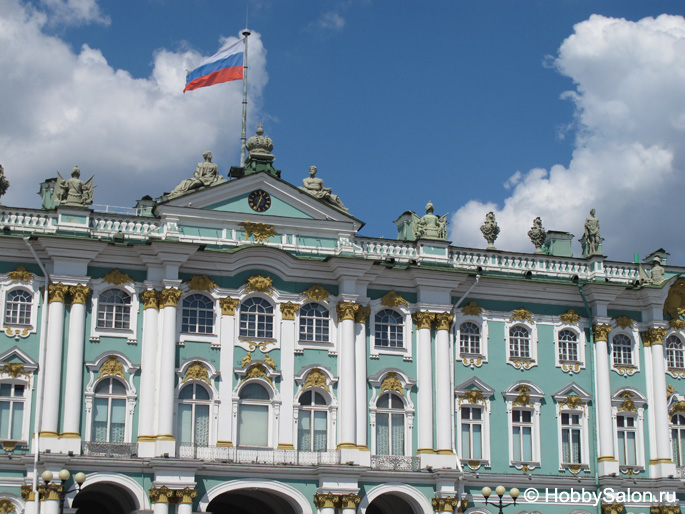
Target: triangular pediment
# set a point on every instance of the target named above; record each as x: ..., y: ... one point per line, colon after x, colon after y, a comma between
x: 16, y: 355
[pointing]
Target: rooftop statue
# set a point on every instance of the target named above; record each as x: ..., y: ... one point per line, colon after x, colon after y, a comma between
x: 430, y: 226
x: 591, y: 239
x: 537, y: 235
x: 490, y: 230
x: 4, y: 183
x: 314, y: 187
x: 206, y: 175
x: 74, y: 192
x: 656, y: 274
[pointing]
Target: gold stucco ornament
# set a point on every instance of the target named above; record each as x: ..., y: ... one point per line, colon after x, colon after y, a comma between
x: 315, y: 378
x: 113, y: 367
x: 260, y: 231
x: 201, y: 283
x: 392, y: 299
x: 20, y: 275
x: 471, y: 309
x: 570, y: 317
x: 259, y: 284
x: 196, y: 371
x: 391, y: 382
x: 521, y: 314
x: 317, y: 292
x: 117, y: 278
x: 624, y: 322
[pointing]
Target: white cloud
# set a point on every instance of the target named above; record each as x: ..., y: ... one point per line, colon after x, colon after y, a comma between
x: 75, y: 12
x: 629, y: 157
x: 138, y: 136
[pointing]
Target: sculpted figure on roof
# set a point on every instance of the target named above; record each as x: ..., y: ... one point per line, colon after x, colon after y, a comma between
x: 591, y: 236
x: 430, y: 226
x: 4, y: 183
x: 314, y: 186
x: 74, y: 192
x: 206, y: 174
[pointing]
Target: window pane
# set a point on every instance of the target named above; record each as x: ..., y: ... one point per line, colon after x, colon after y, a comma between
x: 17, y: 420
x: 382, y: 434
x: 320, y: 431
x: 118, y: 421
x: 202, y: 425
x: 477, y: 442
x: 304, y: 431
x: 100, y: 420
x: 527, y: 444
x: 184, y: 422
x: 516, y: 440
x: 4, y: 419
x: 398, y: 434
x: 253, y: 423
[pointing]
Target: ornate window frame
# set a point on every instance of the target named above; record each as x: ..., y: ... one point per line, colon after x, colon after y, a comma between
x: 212, y: 337
x: 677, y: 408
x: 405, y: 313
x: 570, y: 321
x: 474, y: 393
x: 573, y: 400
x: 8, y: 285
x: 628, y: 401
x: 529, y: 324
x: 121, y: 369
x: 674, y: 372
x: 20, y: 371
x: 524, y: 395
x: 98, y: 287
x: 392, y: 380
x: 318, y: 379
x: 634, y: 336
x: 469, y: 359
x: 261, y: 373
x: 332, y: 327
x: 247, y: 341
x: 191, y: 372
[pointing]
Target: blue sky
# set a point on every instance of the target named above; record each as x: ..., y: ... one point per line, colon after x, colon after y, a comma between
x: 527, y: 108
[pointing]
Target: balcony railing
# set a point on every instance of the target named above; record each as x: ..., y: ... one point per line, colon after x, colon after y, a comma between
x: 395, y: 462
x: 98, y: 449
x: 258, y: 456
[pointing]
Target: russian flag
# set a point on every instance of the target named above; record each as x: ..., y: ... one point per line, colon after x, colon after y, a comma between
x: 225, y: 65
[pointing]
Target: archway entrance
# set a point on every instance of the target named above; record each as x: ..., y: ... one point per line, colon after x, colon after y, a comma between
x: 250, y: 501
x: 390, y: 504
x: 103, y: 498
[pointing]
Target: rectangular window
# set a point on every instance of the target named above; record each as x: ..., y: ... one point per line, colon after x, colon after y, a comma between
x: 571, y: 433
x: 627, y: 440
x: 253, y: 425
x: 522, y: 432
x: 471, y: 433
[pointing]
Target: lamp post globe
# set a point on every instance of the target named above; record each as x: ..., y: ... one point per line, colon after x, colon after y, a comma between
x: 46, y: 476
x: 64, y: 475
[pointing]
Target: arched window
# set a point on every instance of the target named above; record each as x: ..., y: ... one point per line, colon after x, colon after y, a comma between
x: 198, y: 314
x: 314, y: 323
x: 256, y: 318
x: 312, y: 422
x: 389, y: 425
x: 253, y: 416
x: 109, y: 411
x: 12, y: 401
x: 675, y: 353
x: 389, y: 329
x: 469, y: 338
x: 519, y: 342
x: 193, y: 415
x: 622, y: 350
x: 568, y: 346
x: 18, y: 307
x: 114, y: 309
x: 678, y: 439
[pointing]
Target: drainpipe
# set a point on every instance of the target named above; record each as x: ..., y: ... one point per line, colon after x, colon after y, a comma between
x: 40, y: 393
x: 593, y: 427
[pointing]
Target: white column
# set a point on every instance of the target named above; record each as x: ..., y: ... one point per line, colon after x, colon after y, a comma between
x: 288, y: 334
x: 424, y: 382
x: 346, y: 376
x: 443, y: 392
x: 160, y: 508
x: 360, y: 355
x: 228, y: 331
x: 607, y: 463
x: 184, y: 508
x: 53, y: 366
x: 349, y: 502
x: 169, y: 298
x: 148, y: 366
x: 73, y: 392
x: 49, y: 507
x: 159, y: 497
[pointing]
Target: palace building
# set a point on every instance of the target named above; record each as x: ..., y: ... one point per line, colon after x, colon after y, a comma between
x: 236, y: 347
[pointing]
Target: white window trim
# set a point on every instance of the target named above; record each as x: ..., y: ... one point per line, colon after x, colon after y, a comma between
x: 535, y: 401
x: 214, y: 400
x: 212, y: 338
x: 639, y: 400
x: 28, y: 380
x: 674, y: 372
x: 467, y: 359
x: 274, y: 409
x: 675, y: 398
x: 375, y: 351
x: 247, y: 342
x: 583, y: 410
x: 634, y: 336
x: 520, y: 363
x: 461, y: 401
x: 11, y: 329
x: 98, y: 287
x: 376, y: 382
x: 570, y: 367
x: 332, y: 328
x: 332, y: 403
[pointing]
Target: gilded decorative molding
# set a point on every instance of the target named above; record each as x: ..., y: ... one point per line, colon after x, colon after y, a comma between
x: 522, y: 314
x: 112, y: 366
x: 522, y: 364
x: 257, y: 370
x: 263, y: 346
x: 611, y: 508
x: 316, y: 378
x: 259, y: 284
x: 664, y: 509
x: 79, y: 294
x: 570, y: 317
x: 161, y: 495
x: 186, y: 495
x: 624, y: 322
x: 523, y: 399
x: 674, y: 305
x: 57, y: 292
x: 117, y: 278
x: 601, y: 331
x: 269, y: 361
x: 677, y: 407
x: 472, y: 396
x: 362, y: 314
x: 391, y: 382
x: 169, y: 297
x: 317, y: 292
x: 150, y: 299
x: 201, y: 283
x: 52, y: 492
x: 423, y: 319
x: 625, y: 371
x: 260, y: 231
x: 14, y: 369
x: 574, y: 468
x: 653, y: 336
x: 347, y: 310
x: 570, y: 368
x: 196, y: 371
x: 628, y: 404
x: 27, y: 493
x: 670, y: 391
x: 228, y: 305
x: 349, y: 501
x: 676, y: 324
x: 472, y: 309
x: 20, y: 275
x: 288, y: 310
x: 6, y: 506
x: 443, y: 320
x: 246, y: 360
x: 326, y: 501
x: 17, y: 332
x: 445, y: 503
x: 572, y: 401
x: 475, y: 361
x: 392, y: 299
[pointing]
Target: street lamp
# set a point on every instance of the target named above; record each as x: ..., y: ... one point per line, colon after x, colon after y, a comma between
x: 500, y: 490
x: 64, y: 475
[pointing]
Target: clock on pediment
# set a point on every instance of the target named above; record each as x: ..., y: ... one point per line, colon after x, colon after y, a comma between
x: 259, y: 200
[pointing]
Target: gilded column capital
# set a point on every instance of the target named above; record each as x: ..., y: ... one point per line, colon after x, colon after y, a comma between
x: 664, y: 509
x: 27, y: 493
x: 349, y: 501
x: 228, y: 305
x: 347, y: 310
x: 423, y: 319
x: 288, y: 310
x: 601, y: 331
x: 612, y: 508
x: 443, y: 320
x: 57, y: 292
x: 186, y: 495
x: 445, y: 503
x: 362, y: 314
x: 150, y: 299
x: 326, y: 501
x: 653, y: 336
x: 161, y: 494
x: 169, y: 297
x: 79, y: 294
x: 52, y: 492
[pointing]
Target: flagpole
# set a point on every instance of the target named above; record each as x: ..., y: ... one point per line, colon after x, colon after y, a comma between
x: 243, y: 136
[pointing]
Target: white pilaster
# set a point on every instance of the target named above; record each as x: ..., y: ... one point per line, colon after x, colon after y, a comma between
x: 49, y: 507
x: 160, y: 508
x: 147, y: 394
x: 346, y: 377
x: 184, y: 508
x: 360, y: 355
x: 227, y: 334
x: 443, y: 392
x: 424, y: 382
x: 288, y: 334
x: 607, y: 463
